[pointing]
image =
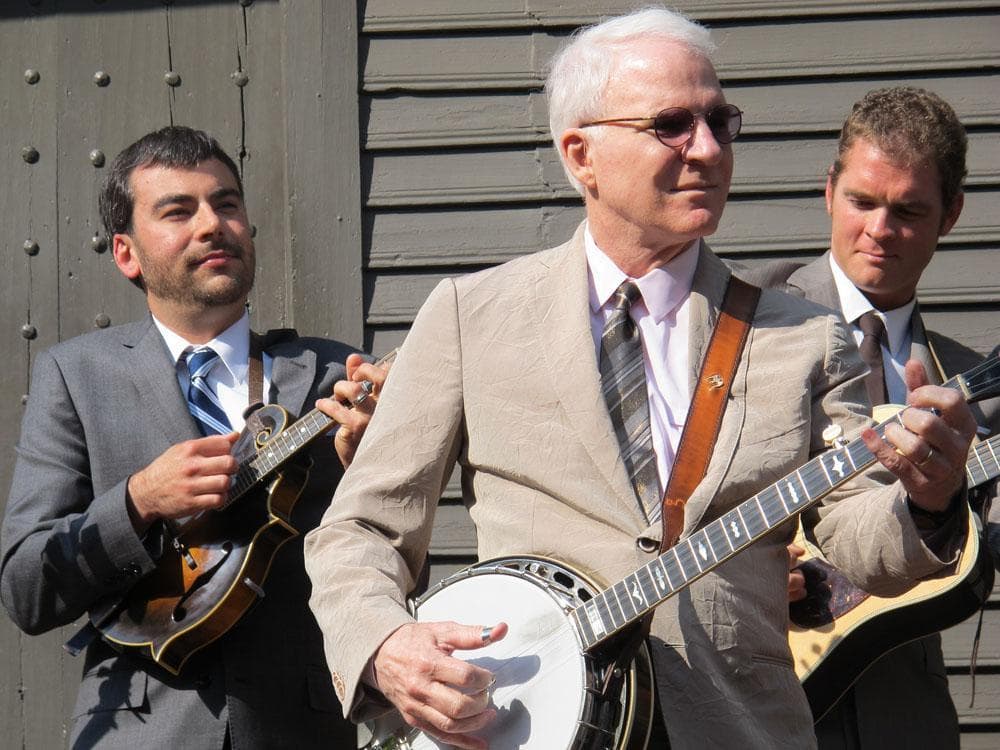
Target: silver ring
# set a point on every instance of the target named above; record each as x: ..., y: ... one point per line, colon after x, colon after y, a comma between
x: 930, y: 454
x: 366, y: 390
x: 486, y: 635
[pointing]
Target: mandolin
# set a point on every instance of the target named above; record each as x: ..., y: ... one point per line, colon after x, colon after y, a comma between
x: 214, y: 564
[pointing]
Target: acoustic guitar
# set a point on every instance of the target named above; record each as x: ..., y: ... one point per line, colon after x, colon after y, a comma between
x: 214, y: 564
x: 838, y: 630
x: 560, y: 683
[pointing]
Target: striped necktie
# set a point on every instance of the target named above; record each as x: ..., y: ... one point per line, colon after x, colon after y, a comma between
x: 623, y: 382
x: 202, y: 401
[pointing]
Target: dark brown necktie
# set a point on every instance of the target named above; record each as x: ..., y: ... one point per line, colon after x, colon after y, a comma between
x: 871, y: 352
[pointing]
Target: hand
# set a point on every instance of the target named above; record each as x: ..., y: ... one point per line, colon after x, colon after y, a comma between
x: 185, y: 479
x: 928, y: 451
x: 443, y: 696
x: 352, y: 405
x: 796, y: 579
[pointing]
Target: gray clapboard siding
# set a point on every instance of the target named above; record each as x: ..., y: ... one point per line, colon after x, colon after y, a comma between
x: 461, y: 237
x: 470, y: 176
x: 746, y: 52
x: 436, y: 15
x: 798, y: 106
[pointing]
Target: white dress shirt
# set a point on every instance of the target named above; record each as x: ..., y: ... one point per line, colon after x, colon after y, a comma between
x: 854, y: 304
x: 229, y: 378
x: 662, y: 317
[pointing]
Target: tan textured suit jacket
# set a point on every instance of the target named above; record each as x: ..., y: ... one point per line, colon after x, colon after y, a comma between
x: 499, y: 373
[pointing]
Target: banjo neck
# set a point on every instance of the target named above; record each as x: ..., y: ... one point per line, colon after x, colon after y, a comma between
x: 632, y: 598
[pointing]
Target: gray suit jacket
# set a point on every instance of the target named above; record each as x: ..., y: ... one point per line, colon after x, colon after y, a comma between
x: 499, y: 373
x: 868, y: 716
x: 102, y: 406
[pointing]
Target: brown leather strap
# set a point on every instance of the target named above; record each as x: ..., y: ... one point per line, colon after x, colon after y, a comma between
x: 256, y: 384
x: 708, y: 405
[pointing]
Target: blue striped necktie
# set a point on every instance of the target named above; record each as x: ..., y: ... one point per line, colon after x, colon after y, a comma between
x: 623, y: 381
x: 202, y: 401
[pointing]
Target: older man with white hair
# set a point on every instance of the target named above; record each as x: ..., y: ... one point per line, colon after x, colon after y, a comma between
x: 562, y: 385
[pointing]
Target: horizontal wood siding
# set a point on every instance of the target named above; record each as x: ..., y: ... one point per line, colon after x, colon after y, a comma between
x: 459, y: 172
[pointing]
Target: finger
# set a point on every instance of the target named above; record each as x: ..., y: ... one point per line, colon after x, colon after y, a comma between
x: 372, y: 373
x: 915, y: 375
x: 352, y: 363
x: 354, y: 394
x: 468, y: 637
x: 932, y: 432
x: 213, y: 445
x: 795, y: 551
x: 886, y: 455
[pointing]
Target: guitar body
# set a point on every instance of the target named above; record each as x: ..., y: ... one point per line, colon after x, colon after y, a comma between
x: 548, y: 690
x: 213, y: 565
x: 838, y: 630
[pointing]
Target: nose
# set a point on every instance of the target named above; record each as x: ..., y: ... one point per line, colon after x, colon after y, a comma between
x: 702, y: 147
x: 879, y: 226
x: 209, y: 222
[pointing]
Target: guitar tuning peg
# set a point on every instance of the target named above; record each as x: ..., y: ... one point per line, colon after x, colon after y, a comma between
x: 832, y: 434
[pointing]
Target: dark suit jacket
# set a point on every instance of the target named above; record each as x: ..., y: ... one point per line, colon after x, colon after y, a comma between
x: 102, y: 406
x: 909, y: 681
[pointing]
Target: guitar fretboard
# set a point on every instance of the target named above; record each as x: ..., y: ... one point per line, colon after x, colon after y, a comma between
x: 983, y: 464
x: 630, y: 599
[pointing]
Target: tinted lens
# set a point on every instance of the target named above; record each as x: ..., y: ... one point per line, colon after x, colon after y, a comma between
x: 673, y: 126
x: 725, y: 122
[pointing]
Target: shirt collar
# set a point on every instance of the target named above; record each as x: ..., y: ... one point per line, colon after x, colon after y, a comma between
x: 854, y: 304
x: 232, y: 345
x: 663, y: 289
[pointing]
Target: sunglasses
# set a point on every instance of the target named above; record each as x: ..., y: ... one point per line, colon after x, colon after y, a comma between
x: 674, y: 127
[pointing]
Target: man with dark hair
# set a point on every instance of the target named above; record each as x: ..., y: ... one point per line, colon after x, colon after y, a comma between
x: 893, y: 191
x: 129, y: 432
x: 561, y: 384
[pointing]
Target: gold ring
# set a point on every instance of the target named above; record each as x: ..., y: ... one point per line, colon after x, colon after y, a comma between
x: 930, y: 454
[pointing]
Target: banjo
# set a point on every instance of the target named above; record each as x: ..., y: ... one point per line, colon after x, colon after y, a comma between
x: 558, y: 684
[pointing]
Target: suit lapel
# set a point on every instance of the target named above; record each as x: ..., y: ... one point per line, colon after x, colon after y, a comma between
x: 815, y: 281
x: 920, y: 348
x: 155, y: 378
x: 293, y: 371
x: 562, y: 319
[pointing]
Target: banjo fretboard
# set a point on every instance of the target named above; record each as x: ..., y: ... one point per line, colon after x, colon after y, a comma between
x: 638, y: 594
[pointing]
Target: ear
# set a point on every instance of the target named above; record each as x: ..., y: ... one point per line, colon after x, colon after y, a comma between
x: 952, y: 214
x: 829, y: 191
x: 123, y: 250
x: 575, y: 150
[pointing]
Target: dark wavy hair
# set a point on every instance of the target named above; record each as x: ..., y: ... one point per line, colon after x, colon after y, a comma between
x: 173, y: 146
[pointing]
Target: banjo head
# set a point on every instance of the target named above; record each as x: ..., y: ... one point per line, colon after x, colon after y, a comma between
x: 545, y: 683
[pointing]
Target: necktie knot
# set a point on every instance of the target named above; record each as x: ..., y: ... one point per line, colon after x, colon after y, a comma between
x: 871, y: 325
x: 200, y: 361
x: 620, y: 320
x: 202, y: 402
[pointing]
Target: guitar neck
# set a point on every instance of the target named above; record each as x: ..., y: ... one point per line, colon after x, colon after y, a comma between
x: 629, y: 600
x: 278, y: 450
x: 983, y: 464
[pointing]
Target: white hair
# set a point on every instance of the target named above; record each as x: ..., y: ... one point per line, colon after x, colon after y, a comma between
x: 580, y: 71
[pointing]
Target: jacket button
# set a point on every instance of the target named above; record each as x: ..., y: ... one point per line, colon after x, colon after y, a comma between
x: 645, y: 544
